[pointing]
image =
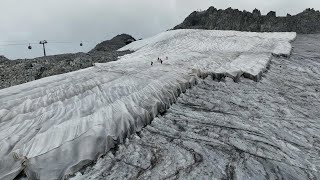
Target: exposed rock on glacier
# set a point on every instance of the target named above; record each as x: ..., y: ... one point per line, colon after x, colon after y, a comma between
x: 225, y: 130
x: 52, y: 127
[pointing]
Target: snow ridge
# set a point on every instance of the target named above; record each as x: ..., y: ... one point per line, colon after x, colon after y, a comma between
x: 52, y: 127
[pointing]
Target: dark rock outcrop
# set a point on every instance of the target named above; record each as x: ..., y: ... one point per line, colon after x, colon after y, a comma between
x: 115, y: 43
x: 3, y: 59
x: 14, y: 72
x: 307, y: 22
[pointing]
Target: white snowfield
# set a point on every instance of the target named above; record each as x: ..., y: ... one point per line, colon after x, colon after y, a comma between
x: 52, y: 127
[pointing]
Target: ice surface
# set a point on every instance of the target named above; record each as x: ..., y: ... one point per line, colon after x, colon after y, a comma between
x: 52, y: 127
x: 229, y: 53
x: 226, y: 130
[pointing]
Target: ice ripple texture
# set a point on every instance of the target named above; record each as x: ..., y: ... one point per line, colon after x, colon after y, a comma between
x: 224, y: 130
x: 52, y: 127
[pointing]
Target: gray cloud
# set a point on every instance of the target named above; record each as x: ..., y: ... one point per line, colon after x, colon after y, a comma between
x: 97, y: 20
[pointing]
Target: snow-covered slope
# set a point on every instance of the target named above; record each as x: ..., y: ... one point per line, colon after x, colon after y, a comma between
x: 52, y: 127
x: 229, y: 53
x: 226, y: 130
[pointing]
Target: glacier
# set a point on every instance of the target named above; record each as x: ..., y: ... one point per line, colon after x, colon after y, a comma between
x: 52, y: 127
x: 224, y: 130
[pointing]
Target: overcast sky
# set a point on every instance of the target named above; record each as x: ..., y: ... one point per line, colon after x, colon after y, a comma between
x: 91, y: 21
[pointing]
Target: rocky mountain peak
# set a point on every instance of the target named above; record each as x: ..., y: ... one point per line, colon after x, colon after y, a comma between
x: 272, y: 14
x: 256, y: 13
x: 114, y: 44
x: 306, y: 22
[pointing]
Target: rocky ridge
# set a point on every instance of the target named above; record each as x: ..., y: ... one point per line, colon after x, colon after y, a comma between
x: 24, y: 70
x: 114, y: 44
x: 306, y: 22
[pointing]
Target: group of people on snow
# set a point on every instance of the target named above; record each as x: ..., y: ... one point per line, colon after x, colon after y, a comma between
x: 159, y: 60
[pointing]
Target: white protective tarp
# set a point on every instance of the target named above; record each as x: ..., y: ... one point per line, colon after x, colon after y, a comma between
x: 52, y: 127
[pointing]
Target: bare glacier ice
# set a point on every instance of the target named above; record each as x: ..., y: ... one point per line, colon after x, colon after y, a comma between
x: 53, y: 127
